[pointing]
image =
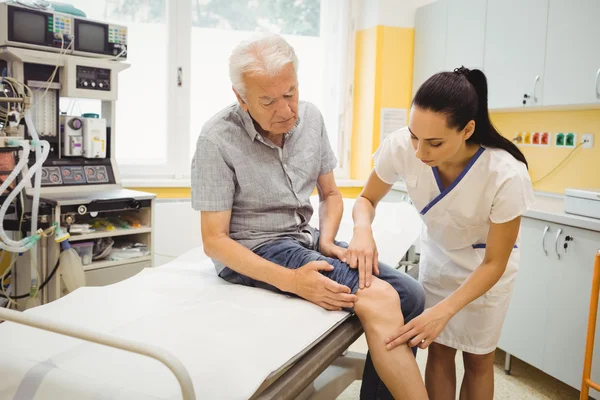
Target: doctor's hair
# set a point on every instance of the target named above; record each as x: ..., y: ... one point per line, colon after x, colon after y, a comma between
x: 462, y: 95
x: 266, y: 54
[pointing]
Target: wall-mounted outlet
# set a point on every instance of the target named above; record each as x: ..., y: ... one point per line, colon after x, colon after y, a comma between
x: 518, y: 138
x: 571, y: 139
x: 587, y: 140
x: 527, y: 139
x: 560, y: 139
x: 545, y: 139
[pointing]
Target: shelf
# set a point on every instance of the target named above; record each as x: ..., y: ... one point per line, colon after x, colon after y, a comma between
x: 103, y: 234
x: 106, y: 264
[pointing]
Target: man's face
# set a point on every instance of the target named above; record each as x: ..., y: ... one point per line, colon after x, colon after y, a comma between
x: 272, y: 100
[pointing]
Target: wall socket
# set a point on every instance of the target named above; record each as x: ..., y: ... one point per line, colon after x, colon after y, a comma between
x: 587, y: 140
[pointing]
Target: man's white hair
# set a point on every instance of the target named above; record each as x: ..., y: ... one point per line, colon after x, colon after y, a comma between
x: 264, y: 55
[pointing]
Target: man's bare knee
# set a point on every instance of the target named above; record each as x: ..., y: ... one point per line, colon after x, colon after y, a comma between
x: 378, y: 303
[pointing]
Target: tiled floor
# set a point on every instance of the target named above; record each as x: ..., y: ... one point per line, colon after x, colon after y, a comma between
x: 524, y: 383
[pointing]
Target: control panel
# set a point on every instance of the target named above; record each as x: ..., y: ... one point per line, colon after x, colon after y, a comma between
x: 75, y: 175
x: 92, y: 78
x: 96, y: 174
x: 60, y: 24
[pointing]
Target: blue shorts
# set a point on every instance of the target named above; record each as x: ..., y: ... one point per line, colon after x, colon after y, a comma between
x: 292, y: 254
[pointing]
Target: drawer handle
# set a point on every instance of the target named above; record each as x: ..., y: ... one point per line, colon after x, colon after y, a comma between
x: 597, y: 77
x: 535, y: 81
x: 556, y: 242
x: 544, y: 238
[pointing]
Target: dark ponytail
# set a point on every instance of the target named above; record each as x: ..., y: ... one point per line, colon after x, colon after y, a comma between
x: 462, y: 95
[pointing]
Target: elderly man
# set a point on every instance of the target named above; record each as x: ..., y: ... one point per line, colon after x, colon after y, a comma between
x: 256, y: 164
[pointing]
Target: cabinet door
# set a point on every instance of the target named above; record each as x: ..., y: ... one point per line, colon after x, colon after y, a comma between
x: 515, y: 43
x: 572, y: 53
x: 465, y: 40
x: 569, y: 300
x: 523, y: 331
x: 430, y: 42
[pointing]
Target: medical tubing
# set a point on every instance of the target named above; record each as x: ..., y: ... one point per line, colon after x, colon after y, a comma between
x: 39, y: 160
x: 20, y: 165
x: 78, y: 332
x: 29, y: 241
x: 22, y: 296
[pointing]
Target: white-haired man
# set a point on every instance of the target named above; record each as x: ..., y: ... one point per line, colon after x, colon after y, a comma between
x: 256, y: 164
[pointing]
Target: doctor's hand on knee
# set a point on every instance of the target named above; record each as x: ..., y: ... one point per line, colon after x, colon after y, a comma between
x: 422, y: 330
x: 362, y: 254
x: 313, y: 286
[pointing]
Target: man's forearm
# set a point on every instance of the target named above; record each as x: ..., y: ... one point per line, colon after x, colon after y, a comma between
x: 245, y: 262
x: 330, y: 215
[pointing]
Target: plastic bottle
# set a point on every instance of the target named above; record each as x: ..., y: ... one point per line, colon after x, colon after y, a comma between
x: 71, y: 268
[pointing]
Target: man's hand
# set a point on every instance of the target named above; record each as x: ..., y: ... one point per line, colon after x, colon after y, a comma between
x: 311, y: 285
x: 362, y: 254
x: 333, y: 250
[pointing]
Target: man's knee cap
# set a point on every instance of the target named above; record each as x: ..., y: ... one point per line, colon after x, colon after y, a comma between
x: 378, y: 293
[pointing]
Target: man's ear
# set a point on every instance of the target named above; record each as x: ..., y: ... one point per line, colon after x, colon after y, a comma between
x: 240, y: 100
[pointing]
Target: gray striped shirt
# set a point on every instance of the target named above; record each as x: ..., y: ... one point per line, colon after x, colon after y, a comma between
x: 267, y: 188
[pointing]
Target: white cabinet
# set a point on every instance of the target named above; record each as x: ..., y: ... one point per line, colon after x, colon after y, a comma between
x: 444, y: 41
x: 524, y: 324
x: 546, y: 322
x: 515, y: 43
x: 572, y: 53
x: 465, y: 40
x: 569, y: 292
x: 430, y: 42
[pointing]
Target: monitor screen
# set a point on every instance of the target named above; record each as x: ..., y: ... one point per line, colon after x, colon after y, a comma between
x: 91, y: 37
x: 29, y: 27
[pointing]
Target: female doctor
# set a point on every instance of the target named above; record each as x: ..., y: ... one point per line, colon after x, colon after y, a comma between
x: 470, y: 186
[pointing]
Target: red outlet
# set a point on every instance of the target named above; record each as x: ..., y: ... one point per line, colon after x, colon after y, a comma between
x: 536, y: 138
x: 545, y: 138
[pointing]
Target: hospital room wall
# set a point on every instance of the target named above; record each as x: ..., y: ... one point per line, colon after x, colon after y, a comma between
x: 383, y: 78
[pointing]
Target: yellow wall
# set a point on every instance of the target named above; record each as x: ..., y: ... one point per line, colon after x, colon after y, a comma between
x: 365, y: 72
x: 184, y: 193
x: 382, y: 79
x: 542, y: 160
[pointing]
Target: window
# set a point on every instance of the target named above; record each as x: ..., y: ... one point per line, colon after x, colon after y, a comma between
x: 179, y: 76
x: 142, y: 123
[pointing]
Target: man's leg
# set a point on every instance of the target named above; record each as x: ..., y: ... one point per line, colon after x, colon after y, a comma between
x: 397, y: 367
x: 412, y: 301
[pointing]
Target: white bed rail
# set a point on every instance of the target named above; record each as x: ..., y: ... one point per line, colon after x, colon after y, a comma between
x: 166, y: 358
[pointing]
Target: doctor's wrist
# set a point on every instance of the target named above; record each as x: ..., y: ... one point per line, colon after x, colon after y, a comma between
x: 447, y: 308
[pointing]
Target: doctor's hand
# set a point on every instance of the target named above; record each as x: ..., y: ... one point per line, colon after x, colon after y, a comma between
x: 422, y: 330
x: 362, y: 254
x: 313, y: 286
x: 332, y: 250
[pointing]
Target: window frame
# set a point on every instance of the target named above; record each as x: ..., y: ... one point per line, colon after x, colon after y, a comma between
x: 177, y: 172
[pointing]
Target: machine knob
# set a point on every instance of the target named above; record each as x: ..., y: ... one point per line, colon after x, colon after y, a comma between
x: 93, y: 84
x: 101, y: 85
x: 82, y: 209
x: 75, y: 124
x: 85, y: 83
